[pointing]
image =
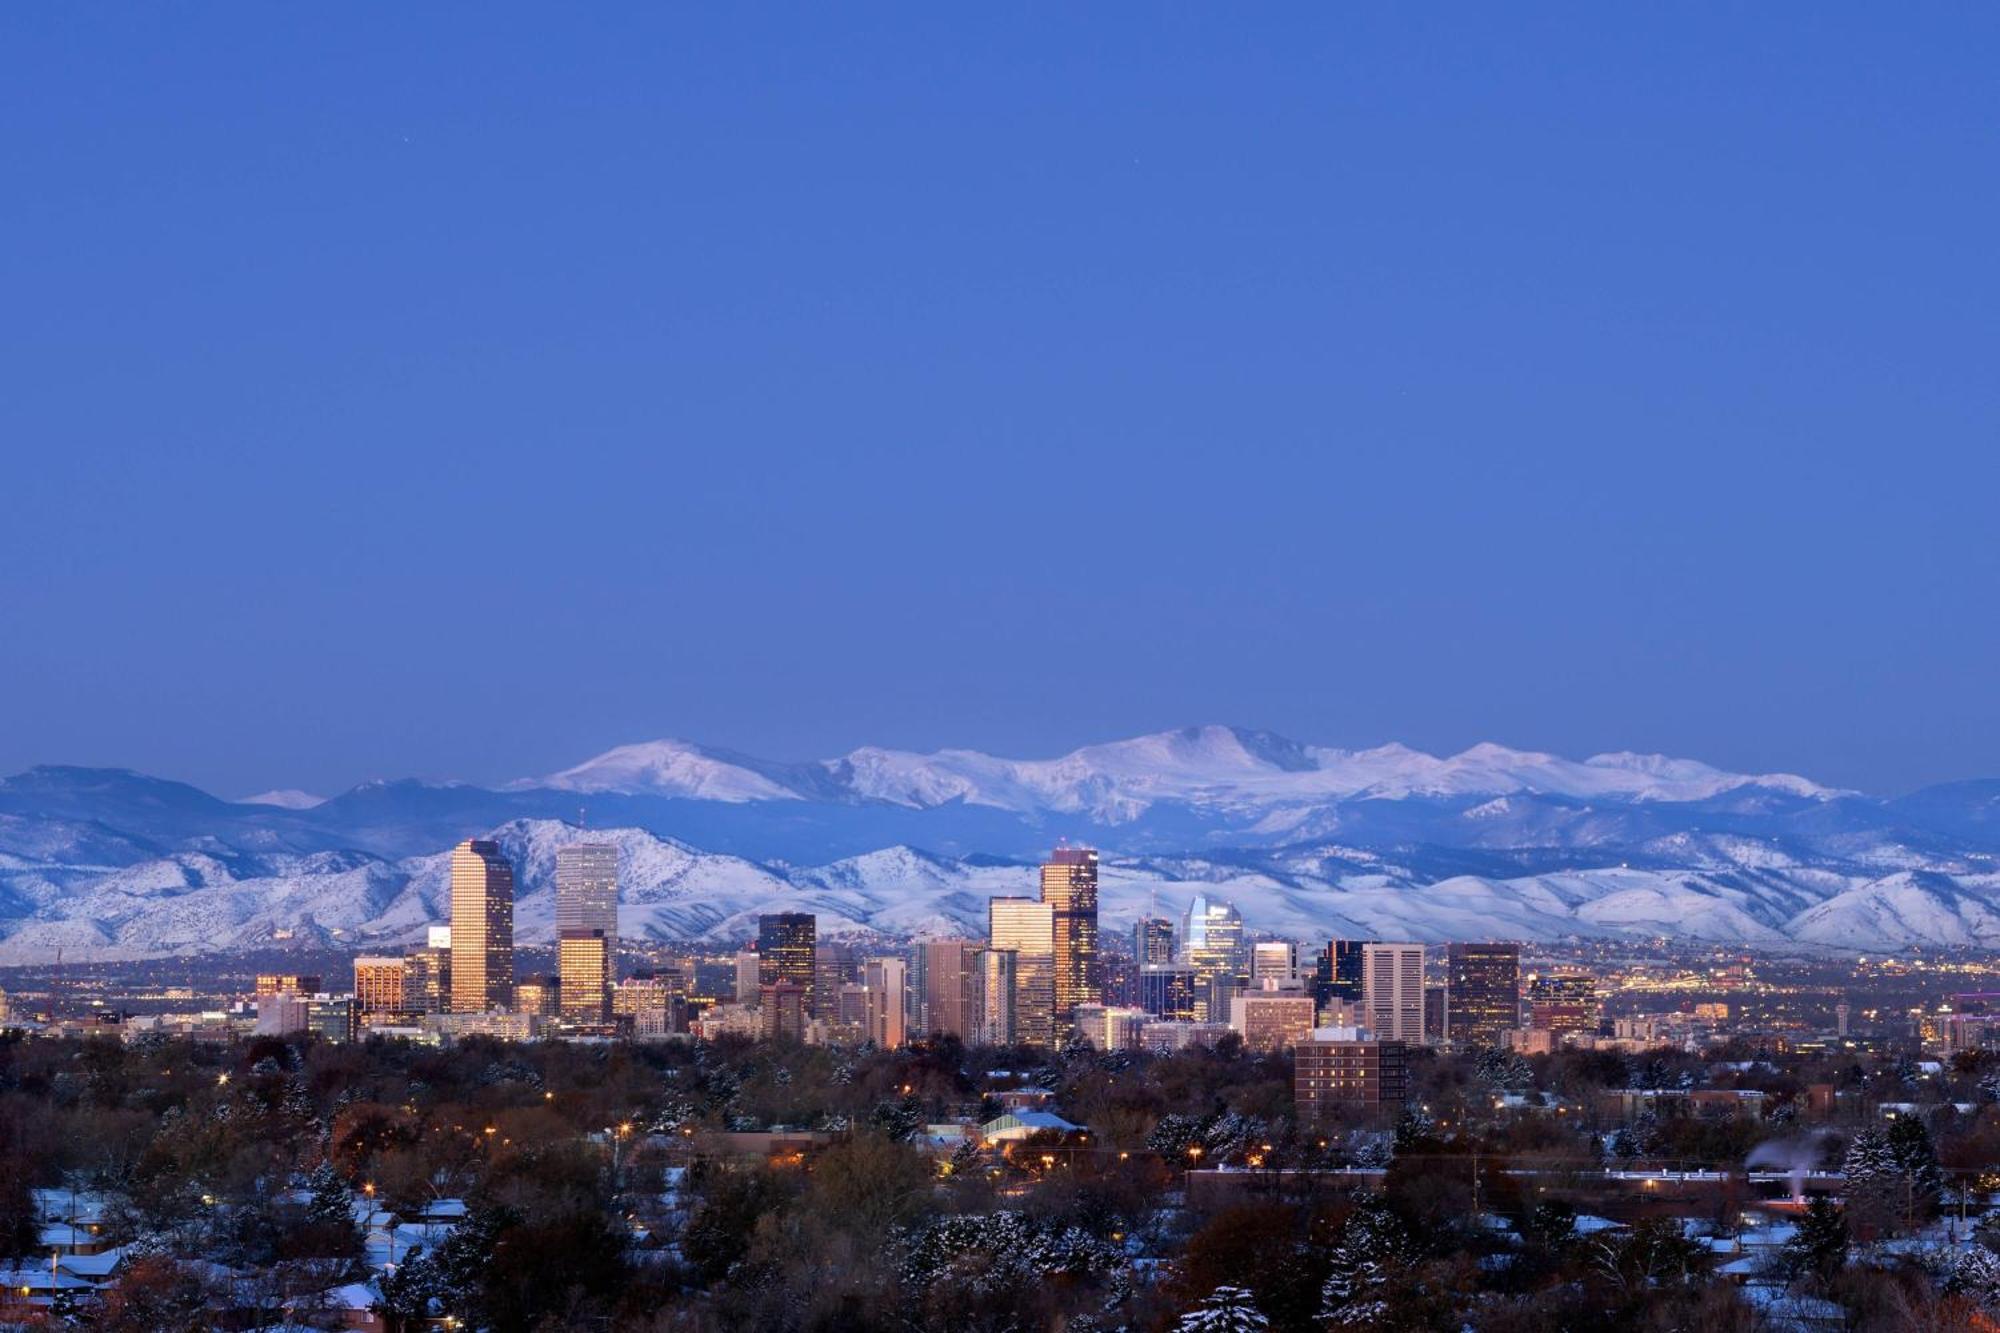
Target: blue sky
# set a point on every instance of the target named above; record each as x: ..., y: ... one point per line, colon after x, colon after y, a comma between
x: 461, y: 392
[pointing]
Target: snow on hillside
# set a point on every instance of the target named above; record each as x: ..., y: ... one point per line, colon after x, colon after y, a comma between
x: 287, y: 798
x: 670, y: 768
x: 1224, y: 768
x: 197, y: 902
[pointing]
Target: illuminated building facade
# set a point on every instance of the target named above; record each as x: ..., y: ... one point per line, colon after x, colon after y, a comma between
x: 482, y: 928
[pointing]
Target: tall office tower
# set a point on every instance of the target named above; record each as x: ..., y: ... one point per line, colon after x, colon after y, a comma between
x: 1274, y: 960
x: 1027, y: 927
x: 951, y: 987
x: 583, y: 961
x: 380, y: 985
x: 749, y: 976
x: 427, y: 981
x: 1437, y: 1019
x: 998, y: 986
x: 1337, y: 973
x: 786, y: 943
x: 1212, y: 944
x: 1166, y: 990
x: 587, y: 891
x: 1483, y: 996
x: 482, y: 928
x: 887, y: 983
x: 1153, y: 940
x: 1069, y: 887
x: 1392, y: 991
x: 916, y: 1001
x: 835, y: 964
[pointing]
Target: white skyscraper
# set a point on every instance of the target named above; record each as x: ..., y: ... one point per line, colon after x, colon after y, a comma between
x: 1392, y: 991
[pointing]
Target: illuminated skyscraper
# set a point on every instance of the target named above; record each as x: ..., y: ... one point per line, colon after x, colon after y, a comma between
x: 427, y: 979
x: 586, y: 908
x: 482, y: 928
x: 583, y: 959
x: 786, y: 944
x: 996, y: 988
x: 1212, y: 944
x: 1563, y: 1000
x: 380, y: 985
x: 1069, y: 887
x: 1483, y: 998
x: 1337, y: 973
x: 1027, y: 928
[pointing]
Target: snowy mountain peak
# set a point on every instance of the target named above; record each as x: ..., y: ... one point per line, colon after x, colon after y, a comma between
x: 286, y: 798
x: 669, y: 768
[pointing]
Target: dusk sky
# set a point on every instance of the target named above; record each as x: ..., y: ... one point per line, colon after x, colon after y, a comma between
x: 461, y: 392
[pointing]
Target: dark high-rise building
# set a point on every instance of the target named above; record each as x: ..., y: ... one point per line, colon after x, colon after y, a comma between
x: 1069, y: 887
x: 786, y: 945
x: 1337, y: 972
x: 1436, y: 1020
x: 1484, y: 995
x: 1166, y: 990
x: 1153, y: 940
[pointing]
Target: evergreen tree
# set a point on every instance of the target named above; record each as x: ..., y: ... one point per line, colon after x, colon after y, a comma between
x: 1372, y: 1247
x: 1917, y: 1161
x: 330, y: 1211
x: 1224, y: 1310
x: 408, y: 1289
x: 1869, y: 1159
x: 899, y: 1121
x: 1974, y: 1273
x: 1415, y: 1130
x: 1819, y: 1249
x: 964, y: 1158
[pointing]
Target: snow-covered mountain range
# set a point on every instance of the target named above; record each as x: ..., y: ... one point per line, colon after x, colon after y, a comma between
x: 1221, y: 767
x: 1307, y: 841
